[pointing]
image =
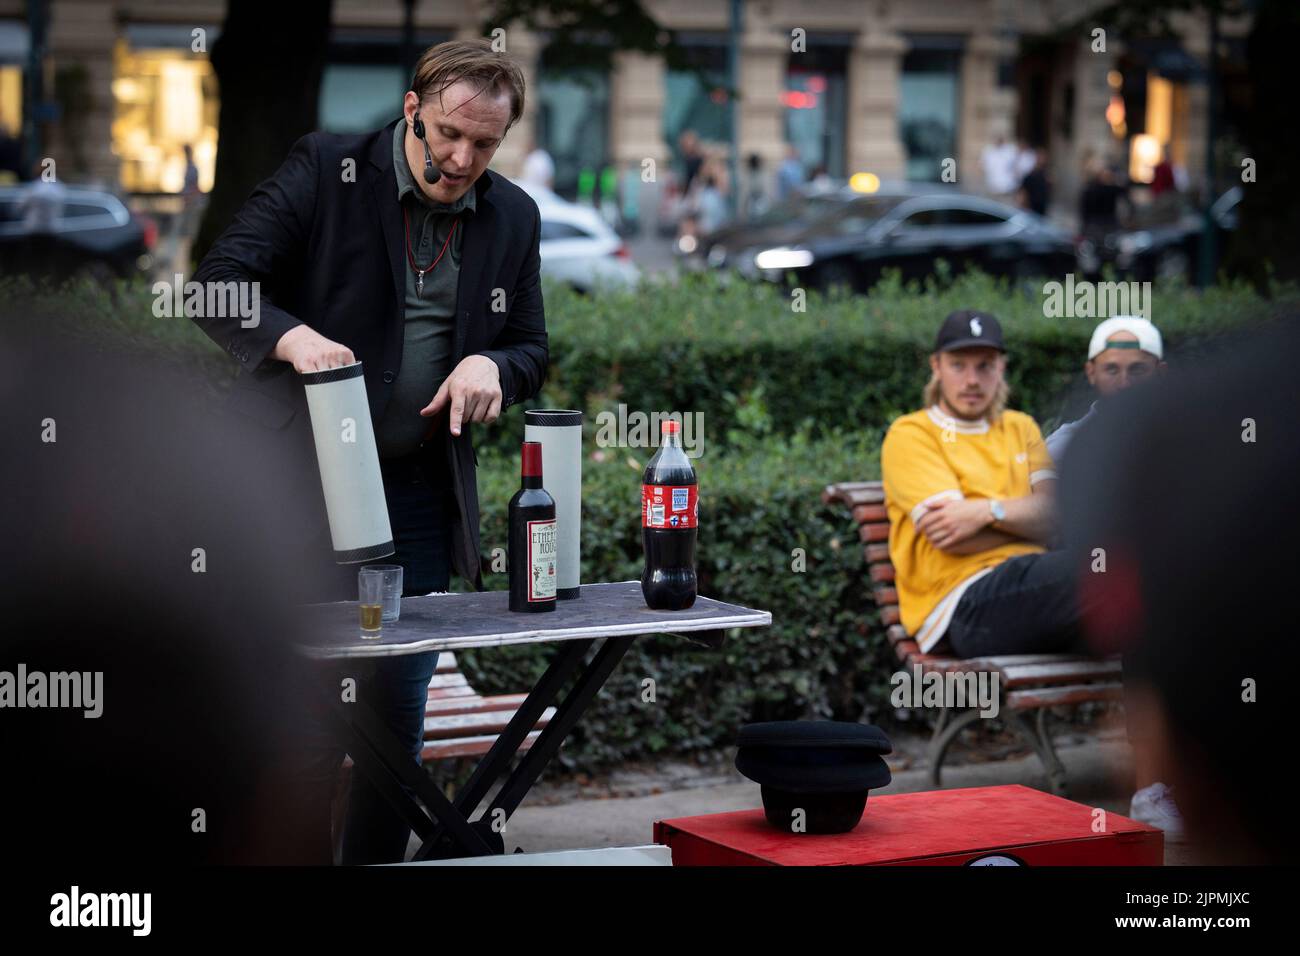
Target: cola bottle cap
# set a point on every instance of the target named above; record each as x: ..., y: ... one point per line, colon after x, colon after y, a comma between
x: 670, y: 427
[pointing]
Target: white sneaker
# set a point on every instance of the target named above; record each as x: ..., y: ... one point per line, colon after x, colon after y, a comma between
x: 1154, y: 806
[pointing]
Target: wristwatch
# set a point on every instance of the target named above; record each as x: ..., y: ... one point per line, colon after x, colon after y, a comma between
x: 998, y: 512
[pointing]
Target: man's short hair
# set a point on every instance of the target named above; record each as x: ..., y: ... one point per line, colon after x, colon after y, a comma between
x: 446, y: 64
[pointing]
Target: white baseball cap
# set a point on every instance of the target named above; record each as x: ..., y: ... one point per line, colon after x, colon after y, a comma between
x: 1147, y: 335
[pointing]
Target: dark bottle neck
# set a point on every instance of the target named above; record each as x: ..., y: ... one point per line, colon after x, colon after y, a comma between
x: 530, y: 481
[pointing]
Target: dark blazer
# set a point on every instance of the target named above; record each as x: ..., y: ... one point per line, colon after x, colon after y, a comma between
x: 324, y: 238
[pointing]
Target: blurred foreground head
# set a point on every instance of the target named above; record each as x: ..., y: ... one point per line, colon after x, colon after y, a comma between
x: 143, y: 542
x: 1181, y: 511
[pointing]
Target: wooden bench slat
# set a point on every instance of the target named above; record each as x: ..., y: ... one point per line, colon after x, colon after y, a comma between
x: 882, y: 573
x: 885, y: 596
x: 1034, y: 698
x: 1020, y: 675
x: 854, y: 493
x: 873, y: 532
x: 870, y: 514
x: 878, y: 554
x: 447, y: 693
x: 468, y: 746
x: 473, y: 725
x: 472, y: 705
x: 441, y: 681
x: 889, y: 615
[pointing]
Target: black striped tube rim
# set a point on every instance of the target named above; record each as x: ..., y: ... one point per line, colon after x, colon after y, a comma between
x: 552, y: 416
x: 332, y: 375
x: 364, y: 554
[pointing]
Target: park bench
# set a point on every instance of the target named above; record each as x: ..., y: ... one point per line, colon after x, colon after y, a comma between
x: 1029, y: 684
x: 458, y: 722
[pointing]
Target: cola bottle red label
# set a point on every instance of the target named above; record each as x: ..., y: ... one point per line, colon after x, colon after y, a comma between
x: 670, y: 506
x: 669, y: 518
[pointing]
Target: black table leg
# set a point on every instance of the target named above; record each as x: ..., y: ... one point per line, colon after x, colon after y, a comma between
x: 566, y: 717
x: 565, y: 663
x: 377, y: 753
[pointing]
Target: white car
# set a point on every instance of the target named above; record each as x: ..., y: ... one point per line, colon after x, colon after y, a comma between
x: 578, y: 247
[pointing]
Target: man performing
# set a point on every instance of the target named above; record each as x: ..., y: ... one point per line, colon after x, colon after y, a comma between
x: 968, y: 486
x: 401, y: 250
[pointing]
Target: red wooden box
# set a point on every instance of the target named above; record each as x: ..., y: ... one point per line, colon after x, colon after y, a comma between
x: 933, y: 828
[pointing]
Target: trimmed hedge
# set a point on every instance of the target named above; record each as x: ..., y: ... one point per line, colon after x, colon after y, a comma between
x: 717, y: 346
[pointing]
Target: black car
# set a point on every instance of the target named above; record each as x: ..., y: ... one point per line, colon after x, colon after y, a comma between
x: 1163, y: 240
x: 849, y: 238
x: 78, y: 232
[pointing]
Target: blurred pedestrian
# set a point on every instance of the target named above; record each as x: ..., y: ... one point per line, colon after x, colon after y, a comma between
x: 755, y: 200
x: 789, y: 175
x: 1100, y: 201
x: 539, y: 168
x: 692, y: 157
x: 998, y: 160
x: 1162, y: 180
x: 710, y: 199
x: 820, y: 181
x: 1035, y: 189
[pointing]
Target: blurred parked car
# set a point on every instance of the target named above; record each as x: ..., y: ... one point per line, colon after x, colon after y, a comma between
x: 578, y: 247
x: 89, y: 233
x: 1162, y: 241
x: 849, y: 238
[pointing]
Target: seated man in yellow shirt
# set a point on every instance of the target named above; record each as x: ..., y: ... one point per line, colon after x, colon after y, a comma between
x: 969, y: 490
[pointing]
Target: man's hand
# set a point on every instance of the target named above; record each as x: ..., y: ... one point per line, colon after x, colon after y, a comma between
x: 473, y: 390
x: 952, y: 521
x: 309, y: 351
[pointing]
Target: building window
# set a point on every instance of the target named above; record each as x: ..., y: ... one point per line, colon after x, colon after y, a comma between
x: 928, y: 105
x: 165, y: 98
x: 573, y: 126
x: 814, y: 105
x: 363, y: 81
x: 698, y: 102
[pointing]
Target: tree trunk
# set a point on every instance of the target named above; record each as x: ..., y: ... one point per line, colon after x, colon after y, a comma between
x: 268, y: 61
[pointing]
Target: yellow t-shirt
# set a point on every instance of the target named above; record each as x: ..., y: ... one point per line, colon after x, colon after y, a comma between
x: 928, y: 456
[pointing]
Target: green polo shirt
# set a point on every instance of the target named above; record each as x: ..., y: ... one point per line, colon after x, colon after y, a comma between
x: 428, y: 334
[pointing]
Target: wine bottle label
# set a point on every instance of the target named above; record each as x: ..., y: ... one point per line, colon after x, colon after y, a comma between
x: 670, y: 506
x: 541, y: 560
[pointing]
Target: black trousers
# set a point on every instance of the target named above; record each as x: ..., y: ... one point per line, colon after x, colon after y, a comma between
x: 1026, y: 605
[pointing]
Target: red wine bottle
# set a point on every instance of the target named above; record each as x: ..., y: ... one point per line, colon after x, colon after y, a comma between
x: 531, y: 546
x: 669, y: 517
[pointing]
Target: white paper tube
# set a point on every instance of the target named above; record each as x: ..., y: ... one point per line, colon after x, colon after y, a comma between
x: 560, y: 433
x: 349, y: 464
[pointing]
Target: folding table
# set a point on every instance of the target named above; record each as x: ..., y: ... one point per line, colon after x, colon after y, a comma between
x: 613, y: 614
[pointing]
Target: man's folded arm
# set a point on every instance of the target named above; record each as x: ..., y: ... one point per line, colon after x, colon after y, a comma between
x: 521, y: 350
x: 266, y: 240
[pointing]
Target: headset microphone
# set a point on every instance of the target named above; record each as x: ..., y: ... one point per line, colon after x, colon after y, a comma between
x: 431, y: 172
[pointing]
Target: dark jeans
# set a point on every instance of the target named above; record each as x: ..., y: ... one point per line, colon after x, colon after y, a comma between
x: 420, y: 510
x: 1026, y: 605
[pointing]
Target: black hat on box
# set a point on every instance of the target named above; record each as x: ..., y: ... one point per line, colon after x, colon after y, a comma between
x: 822, y: 767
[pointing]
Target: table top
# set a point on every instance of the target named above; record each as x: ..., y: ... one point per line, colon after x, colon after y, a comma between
x: 450, y: 622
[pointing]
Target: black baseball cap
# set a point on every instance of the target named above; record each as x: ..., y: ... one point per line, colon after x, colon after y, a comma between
x: 968, y: 329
